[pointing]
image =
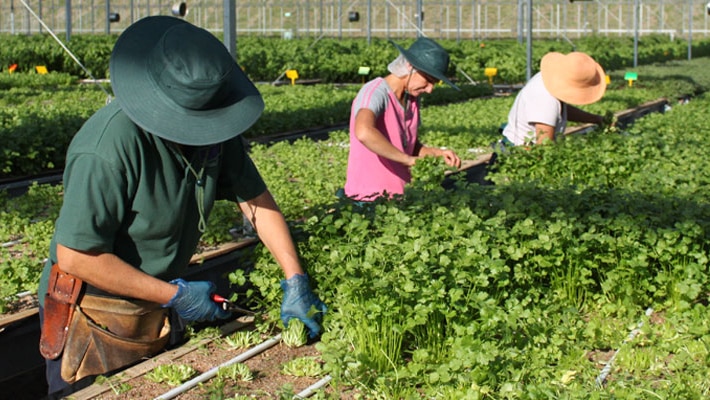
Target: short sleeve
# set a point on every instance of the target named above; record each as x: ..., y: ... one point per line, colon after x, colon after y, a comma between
x: 239, y: 179
x: 92, y: 187
x: 373, y: 96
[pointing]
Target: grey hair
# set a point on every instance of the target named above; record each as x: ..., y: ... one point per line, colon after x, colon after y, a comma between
x: 400, y: 66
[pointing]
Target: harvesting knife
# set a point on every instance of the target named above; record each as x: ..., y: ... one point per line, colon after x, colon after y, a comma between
x: 228, y: 305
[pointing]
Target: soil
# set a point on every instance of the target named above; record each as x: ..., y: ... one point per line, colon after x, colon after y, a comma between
x: 268, y: 380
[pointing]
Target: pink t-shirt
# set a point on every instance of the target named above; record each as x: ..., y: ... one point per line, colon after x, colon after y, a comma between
x: 369, y: 175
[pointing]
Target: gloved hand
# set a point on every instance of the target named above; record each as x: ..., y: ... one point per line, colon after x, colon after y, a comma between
x: 609, y: 120
x: 193, y: 303
x: 297, y: 301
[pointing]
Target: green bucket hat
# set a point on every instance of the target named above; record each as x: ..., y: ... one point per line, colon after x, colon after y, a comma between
x: 429, y: 57
x: 179, y: 82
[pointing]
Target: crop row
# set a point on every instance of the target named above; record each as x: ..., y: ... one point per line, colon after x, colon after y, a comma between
x: 338, y: 60
x: 463, y: 126
x: 39, y: 114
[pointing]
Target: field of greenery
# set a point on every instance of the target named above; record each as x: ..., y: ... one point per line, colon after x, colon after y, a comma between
x: 523, y: 289
x: 335, y: 60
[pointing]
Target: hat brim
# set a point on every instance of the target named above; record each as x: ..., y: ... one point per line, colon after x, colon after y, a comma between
x: 419, y: 67
x: 554, y: 69
x: 150, y: 109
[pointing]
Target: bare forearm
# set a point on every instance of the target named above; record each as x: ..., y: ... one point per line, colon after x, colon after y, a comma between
x: 375, y: 142
x: 545, y: 133
x: 367, y: 133
x: 578, y: 115
x: 270, y: 225
x: 109, y: 273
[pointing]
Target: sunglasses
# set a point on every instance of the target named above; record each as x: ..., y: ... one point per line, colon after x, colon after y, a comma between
x: 429, y: 78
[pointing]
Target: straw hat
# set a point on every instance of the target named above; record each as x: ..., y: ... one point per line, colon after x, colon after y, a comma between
x: 179, y: 82
x: 429, y: 57
x: 574, y: 78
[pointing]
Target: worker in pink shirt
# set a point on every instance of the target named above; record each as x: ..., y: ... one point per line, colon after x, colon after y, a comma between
x: 384, y: 122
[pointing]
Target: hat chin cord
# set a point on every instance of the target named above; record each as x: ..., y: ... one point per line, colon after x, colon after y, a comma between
x: 405, y: 97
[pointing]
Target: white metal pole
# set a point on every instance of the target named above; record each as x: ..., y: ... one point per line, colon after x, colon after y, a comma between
x: 529, y: 40
x: 636, y: 33
x: 68, y: 20
x: 690, y: 29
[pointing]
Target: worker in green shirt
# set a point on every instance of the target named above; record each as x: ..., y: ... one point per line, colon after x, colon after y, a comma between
x: 141, y: 177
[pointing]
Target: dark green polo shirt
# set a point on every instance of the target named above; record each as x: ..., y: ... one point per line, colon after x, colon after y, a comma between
x: 130, y: 193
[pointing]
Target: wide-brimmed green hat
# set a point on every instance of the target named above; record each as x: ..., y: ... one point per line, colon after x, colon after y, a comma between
x: 179, y: 82
x: 429, y: 57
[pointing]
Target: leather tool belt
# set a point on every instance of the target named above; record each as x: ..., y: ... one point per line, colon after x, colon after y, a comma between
x: 100, y: 334
x: 62, y: 294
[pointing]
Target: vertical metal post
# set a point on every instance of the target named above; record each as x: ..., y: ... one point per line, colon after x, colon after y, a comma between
x: 520, y: 21
x: 230, y: 26
x: 529, y: 40
x: 12, y: 16
x: 690, y: 29
x: 108, y: 12
x: 307, y: 17
x: 93, y: 16
x: 27, y: 21
x: 387, y: 21
x: 39, y: 12
x: 458, y: 21
x: 340, y: 19
x: 419, y: 18
x: 68, y: 20
x: 369, y: 22
x: 636, y: 32
x: 473, y: 19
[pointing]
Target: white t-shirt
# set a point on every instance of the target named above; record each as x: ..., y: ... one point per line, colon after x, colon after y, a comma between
x: 534, y: 104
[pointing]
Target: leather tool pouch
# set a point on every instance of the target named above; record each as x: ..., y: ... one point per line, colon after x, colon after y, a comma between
x: 96, y: 334
x: 108, y: 333
x: 62, y: 293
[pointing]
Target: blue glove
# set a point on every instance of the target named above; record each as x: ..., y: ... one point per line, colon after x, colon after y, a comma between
x: 297, y: 302
x: 193, y: 303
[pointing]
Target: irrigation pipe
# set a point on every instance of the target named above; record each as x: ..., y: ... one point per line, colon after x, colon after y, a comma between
x: 307, y: 392
x: 310, y: 46
x: 11, y: 243
x: 63, y: 46
x: 212, y: 372
x: 607, y: 368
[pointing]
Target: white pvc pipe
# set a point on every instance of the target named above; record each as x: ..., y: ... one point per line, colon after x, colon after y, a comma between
x: 307, y: 392
x: 212, y: 372
x: 607, y: 368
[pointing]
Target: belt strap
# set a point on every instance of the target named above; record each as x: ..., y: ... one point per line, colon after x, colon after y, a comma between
x: 62, y: 294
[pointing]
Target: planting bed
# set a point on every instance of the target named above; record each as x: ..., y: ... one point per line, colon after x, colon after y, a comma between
x: 269, y: 382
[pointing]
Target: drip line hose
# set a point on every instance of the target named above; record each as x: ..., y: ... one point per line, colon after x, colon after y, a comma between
x: 212, y: 372
x: 307, y: 392
x: 607, y: 368
x: 63, y: 46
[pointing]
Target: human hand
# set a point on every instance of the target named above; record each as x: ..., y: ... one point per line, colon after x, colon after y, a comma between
x: 193, y: 303
x: 451, y: 159
x: 608, y: 120
x: 301, y: 303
